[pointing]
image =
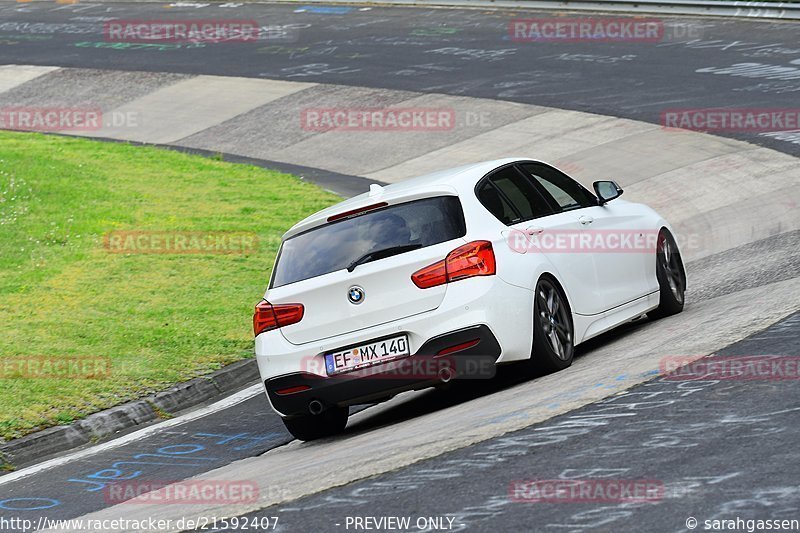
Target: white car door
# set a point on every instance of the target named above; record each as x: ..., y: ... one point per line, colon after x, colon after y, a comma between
x: 517, y: 201
x: 611, y: 234
x: 622, y: 261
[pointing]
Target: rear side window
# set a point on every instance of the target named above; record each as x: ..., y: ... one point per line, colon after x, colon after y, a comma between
x: 512, y: 197
x: 568, y: 193
x: 492, y: 199
x: 334, y: 246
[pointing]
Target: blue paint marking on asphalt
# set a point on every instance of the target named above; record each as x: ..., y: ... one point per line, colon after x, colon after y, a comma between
x: 176, y: 453
x: 115, y: 473
x: 52, y: 503
x: 195, y: 448
x: 79, y: 487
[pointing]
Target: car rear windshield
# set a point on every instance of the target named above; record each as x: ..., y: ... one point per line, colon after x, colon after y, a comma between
x: 337, y: 245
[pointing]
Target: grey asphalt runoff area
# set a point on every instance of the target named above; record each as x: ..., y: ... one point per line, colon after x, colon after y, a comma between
x: 699, y: 62
x: 707, y: 449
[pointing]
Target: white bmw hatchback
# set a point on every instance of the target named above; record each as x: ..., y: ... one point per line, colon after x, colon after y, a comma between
x: 447, y: 275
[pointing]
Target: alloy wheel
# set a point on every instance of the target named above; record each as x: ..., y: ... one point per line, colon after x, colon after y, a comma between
x: 670, y: 264
x: 554, y: 319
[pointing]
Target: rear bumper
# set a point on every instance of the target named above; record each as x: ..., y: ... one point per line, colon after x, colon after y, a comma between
x: 475, y: 352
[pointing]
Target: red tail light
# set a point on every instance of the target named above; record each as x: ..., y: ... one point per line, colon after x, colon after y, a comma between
x: 473, y: 259
x: 268, y: 316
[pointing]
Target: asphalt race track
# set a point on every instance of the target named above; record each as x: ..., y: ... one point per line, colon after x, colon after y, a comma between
x: 718, y: 449
x: 457, y: 52
x: 700, y: 449
x: 219, y: 438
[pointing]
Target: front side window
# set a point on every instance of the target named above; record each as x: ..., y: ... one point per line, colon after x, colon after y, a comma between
x: 384, y: 232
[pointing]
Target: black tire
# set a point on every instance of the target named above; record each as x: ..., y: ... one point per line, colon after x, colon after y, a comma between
x: 553, y: 331
x: 671, y: 277
x: 313, y: 427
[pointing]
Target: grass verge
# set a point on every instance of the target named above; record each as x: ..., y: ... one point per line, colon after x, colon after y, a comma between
x: 155, y: 318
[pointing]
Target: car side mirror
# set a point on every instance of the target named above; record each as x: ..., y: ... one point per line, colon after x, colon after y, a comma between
x: 606, y: 190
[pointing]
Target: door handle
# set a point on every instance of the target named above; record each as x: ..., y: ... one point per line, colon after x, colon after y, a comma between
x: 534, y: 230
x: 585, y: 220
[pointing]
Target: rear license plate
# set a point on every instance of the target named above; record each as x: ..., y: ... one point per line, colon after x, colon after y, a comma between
x: 367, y: 355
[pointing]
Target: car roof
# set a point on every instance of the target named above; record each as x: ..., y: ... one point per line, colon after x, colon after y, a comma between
x: 450, y: 181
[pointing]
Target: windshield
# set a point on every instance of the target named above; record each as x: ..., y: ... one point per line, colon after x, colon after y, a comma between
x: 401, y: 227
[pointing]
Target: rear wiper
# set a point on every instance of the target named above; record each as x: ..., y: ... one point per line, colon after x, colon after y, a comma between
x: 380, y: 254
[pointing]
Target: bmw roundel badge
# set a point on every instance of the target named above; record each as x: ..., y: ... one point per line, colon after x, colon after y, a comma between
x: 355, y: 294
